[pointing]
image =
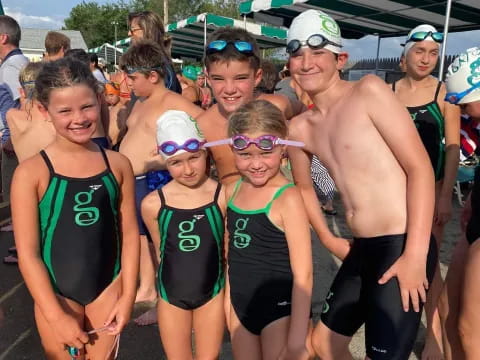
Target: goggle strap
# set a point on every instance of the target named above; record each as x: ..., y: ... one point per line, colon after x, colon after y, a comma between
x: 228, y: 141
x: 290, y: 143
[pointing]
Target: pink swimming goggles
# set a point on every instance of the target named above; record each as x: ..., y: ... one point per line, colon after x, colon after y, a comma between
x: 264, y: 142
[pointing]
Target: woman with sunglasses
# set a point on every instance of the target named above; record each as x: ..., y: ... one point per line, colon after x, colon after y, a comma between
x: 438, y: 124
x: 186, y: 221
x: 269, y: 245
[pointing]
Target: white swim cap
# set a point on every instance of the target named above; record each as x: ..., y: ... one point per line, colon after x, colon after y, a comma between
x: 312, y: 22
x: 177, y: 127
x: 419, y: 28
x: 463, y: 73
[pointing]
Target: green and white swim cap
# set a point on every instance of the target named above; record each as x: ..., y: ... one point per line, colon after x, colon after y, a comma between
x: 312, y: 22
x: 463, y: 74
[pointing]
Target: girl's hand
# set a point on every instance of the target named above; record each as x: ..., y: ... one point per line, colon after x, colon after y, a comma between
x: 411, y: 275
x: 68, y: 332
x: 300, y: 353
x: 119, y: 316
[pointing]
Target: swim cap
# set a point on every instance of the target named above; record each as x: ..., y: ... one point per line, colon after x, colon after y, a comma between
x: 463, y: 73
x: 419, y: 28
x: 111, y: 88
x: 177, y: 126
x: 312, y: 22
x: 190, y: 72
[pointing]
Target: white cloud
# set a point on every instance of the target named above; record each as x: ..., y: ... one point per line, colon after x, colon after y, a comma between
x: 32, y: 21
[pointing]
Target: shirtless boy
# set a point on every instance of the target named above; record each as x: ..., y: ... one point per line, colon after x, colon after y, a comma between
x: 30, y: 132
x: 144, y: 62
x: 117, y: 114
x: 435, y: 120
x: 233, y: 71
x: 384, y: 176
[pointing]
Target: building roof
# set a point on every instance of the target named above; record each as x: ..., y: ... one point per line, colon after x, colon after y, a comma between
x: 35, y: 38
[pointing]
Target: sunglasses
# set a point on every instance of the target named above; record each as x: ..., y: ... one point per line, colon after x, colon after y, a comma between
x: 219, y: 45
x: 315, y: 41
x: 454, y: 98
x: 171, y: 147
x: 264, y: 142
x: 130, y: 70
x: 422, y: 35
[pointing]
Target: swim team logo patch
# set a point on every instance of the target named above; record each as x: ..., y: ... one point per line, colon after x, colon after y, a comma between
x: 329, y: 25
x: 326, y: 307
x: 189, y: 242
x: 474, y: 77
x: 240, y: 239
x: 86, y: 215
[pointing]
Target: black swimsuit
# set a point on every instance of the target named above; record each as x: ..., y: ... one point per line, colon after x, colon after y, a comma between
x: 473, y: 227
x: 259, y: 271
x: 191, y: 253
x: 431, y: 127
x: 80, y: 239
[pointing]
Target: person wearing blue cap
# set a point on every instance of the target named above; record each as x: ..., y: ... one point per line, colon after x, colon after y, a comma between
x: 438, y: 124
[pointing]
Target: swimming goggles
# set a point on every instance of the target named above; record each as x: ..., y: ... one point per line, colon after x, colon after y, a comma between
x: 454, y: 98
x: 130, y: 70
x: 171, y: 147
x: 422, y: 35
x: 219, y: 45
x: 264, y: 142
x: 315, y: 41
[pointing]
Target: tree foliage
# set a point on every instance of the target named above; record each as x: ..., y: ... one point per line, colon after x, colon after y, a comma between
x: 96, y: 22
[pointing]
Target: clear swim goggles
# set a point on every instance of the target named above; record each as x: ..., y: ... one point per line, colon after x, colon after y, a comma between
x: 171, y: 147
x: 454, y: 97
x: 422, y: 35
x: 264, y: 142
x: 219, y: 45
x: 315, y: 41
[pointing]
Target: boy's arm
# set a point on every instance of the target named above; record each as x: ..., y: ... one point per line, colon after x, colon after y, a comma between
x: 24, y: 207
x: 404, y: 142
x: 297, y: 232
x: 301, y: 161
x: 130, y: 256
x: 452, y: 157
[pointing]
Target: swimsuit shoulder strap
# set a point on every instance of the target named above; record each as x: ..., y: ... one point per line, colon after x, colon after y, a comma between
x: 439, y: 85
x: 161, y: 196
x: 277, y: 195
x: 235, y: 190
x: 217, y: 193
x: 393, y: 86
x: 105, y: 158
x: 47, y: 162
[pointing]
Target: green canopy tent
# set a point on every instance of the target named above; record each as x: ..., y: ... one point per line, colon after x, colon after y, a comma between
x: 108, y: 52
x: 189, y: 35
x: 384, y: 18
x: 1, y: 9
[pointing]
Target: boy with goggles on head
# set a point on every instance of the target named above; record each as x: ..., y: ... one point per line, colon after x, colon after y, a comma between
x: 186, y: 221
x: 438, y: 124
x: 232, y: 62
x: 144, y: 63
x: 458, y: 304
x: 366, y: 139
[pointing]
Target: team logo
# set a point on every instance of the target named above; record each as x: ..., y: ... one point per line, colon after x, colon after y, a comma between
x: 189, y: 242
x: 329, y: 25
x: 86, y: 215
x: 326, y: 306
x: 240, y: 239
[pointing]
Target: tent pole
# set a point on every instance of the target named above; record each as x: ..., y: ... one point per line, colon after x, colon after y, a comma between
x: 205, y: 35
x: 378, y: 52
x: 106, y: 59
x: 445, y: 35
x: 245, y: 22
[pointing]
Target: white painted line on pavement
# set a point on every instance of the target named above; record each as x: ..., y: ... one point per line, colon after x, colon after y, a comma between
x: 10, y: 292
x: 22, y: 337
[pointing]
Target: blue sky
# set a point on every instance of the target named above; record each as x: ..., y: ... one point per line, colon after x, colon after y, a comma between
x: 49, y: 14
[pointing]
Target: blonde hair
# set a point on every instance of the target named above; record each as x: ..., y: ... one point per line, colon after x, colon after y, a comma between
x: 27, y: 78
x: 258, y: 116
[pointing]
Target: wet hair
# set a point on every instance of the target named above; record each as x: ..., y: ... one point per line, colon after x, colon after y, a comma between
x: 55, y: 41
x: 63, y: 73
x: 27, y: 78
x: 79, y: 55
x: 230, y: 53
x: 258, y: 116
x: 10, y: 26
x: 151, y: 25
x: 270, y: 77
x: 145, y: 54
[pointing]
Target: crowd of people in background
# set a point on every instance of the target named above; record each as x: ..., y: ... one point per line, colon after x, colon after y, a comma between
x: 193, y: 188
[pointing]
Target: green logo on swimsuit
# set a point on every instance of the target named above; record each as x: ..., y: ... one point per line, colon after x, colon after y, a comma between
x: 240, y: 239
x: 189, y: 242
x: 85, y: 216
x: 326, y: 307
